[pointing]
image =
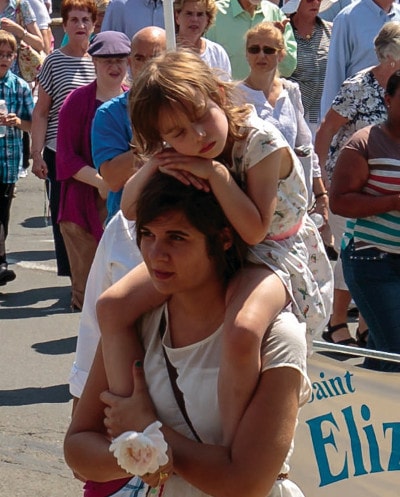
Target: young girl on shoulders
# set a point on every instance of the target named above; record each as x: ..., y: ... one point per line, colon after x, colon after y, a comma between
x: 187, y: 122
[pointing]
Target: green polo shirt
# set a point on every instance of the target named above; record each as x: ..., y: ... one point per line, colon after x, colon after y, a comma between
x: 233, y: 22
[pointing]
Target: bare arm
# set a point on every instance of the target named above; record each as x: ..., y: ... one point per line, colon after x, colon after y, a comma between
x: 253, y: 461
x: 90, y: 176
x: 86, y: 442
x: 134, y: 186
x: 321, y: 200
x: 258, y: 450
x: 117, y: 310
x: 12, y: 120
x: 117, y: 171
x: 32, y: 37
x: 46, y: 35
x: 39, y: 127
x: 330, y: 125
x: 346, y: 196
x: 250, y: 213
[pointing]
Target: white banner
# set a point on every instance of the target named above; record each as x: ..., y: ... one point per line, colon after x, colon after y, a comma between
x: 348, y: 438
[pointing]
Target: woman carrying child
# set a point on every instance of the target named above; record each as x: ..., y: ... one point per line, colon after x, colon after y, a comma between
x: 210, y: 141
x: 184, y: 230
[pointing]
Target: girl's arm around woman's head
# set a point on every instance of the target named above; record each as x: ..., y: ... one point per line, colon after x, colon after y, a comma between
x: 134, y: 186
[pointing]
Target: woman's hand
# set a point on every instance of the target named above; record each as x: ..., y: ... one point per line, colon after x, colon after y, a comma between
x: 12, y: 27
x: 281, y: 25
x: 39, y: 166
x: 321, y: 207
x: 129, y: 413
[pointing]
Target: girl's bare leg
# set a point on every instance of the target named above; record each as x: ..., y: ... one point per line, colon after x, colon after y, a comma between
x: 117, y: 310
x: 255, y: 297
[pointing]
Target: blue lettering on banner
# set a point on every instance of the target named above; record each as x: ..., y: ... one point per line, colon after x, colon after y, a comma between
x: 332, y: 387
x: 360, y: 435
x: 394, y: 461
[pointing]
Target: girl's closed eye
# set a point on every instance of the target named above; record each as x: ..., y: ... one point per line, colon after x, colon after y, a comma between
x: 179, y: 133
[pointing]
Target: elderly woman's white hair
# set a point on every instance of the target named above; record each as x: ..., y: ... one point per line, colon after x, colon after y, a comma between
x: 387, y: 42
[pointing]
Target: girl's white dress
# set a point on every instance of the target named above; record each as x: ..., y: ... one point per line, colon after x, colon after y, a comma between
x: 293, y: 248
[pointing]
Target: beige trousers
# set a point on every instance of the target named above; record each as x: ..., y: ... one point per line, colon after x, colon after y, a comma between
x: 81, y: 247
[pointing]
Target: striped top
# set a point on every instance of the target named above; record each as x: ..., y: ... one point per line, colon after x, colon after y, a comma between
x: 381, y: 231
x: 312, y: 56
x: 60, y: 74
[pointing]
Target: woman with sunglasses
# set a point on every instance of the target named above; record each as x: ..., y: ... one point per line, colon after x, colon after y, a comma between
x: 278, y: 101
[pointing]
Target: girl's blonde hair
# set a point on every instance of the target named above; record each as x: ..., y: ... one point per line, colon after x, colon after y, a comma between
x: 209, y: 5
x: 269, y: 29
x: 179, y: 81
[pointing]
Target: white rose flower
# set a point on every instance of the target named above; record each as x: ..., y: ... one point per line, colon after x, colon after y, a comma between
x: 141, y: 453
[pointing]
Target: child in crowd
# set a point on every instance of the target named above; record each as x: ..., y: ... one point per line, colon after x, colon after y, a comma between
x: 189, y: 126
x: 19, y: 102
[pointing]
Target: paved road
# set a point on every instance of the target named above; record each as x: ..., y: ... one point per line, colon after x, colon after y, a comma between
x: 37, y: 343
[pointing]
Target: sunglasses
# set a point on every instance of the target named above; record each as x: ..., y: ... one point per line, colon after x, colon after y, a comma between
x: 256, y: 49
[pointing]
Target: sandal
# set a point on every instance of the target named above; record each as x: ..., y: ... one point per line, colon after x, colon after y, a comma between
x: 362, y: 338
x: 327, y: 335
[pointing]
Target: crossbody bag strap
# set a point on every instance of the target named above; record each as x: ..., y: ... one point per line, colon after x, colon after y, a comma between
x: 173, y: 375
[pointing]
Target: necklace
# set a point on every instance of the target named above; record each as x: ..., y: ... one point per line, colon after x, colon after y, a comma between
x: 303, y: 27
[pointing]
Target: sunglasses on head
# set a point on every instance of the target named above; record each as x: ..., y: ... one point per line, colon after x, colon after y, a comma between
x: 255, y: 49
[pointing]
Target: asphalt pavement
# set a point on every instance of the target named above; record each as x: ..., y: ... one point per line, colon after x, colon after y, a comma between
x: 37, y: 345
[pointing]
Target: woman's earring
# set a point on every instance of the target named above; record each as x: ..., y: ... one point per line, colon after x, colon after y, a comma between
x: 392, y: 64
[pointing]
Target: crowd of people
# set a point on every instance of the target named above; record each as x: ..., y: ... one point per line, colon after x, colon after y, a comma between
x: 268, y: 139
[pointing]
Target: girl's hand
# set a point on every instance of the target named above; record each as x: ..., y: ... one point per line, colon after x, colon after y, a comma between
x: 129, y: 413
x: 190, y: 170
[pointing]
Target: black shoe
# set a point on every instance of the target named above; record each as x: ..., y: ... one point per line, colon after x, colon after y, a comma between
x: 6, y: 275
